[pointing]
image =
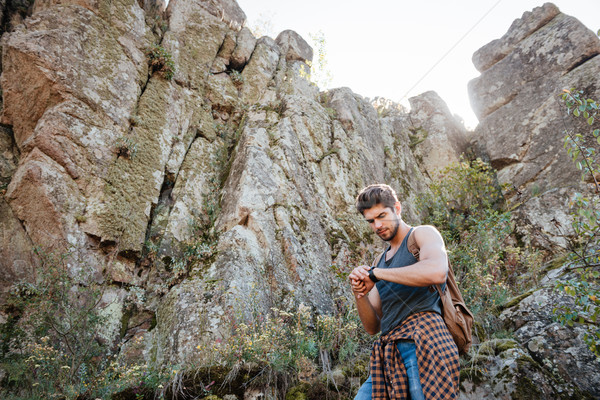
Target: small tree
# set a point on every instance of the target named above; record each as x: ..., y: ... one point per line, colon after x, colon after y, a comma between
x: 319, y: 70
x: 584, y: 246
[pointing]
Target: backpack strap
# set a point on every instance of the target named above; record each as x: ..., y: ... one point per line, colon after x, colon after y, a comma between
x: 412, y: 245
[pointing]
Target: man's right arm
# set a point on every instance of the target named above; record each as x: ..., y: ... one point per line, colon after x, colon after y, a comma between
x: 369, y: 305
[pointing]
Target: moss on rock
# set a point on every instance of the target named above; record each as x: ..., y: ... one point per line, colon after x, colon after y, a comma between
x: 298, y: 392
x: 472, y: 374
x: 132, y: 183
x: 514, y: 301
x: 358, y: 367
x: 526, y: 389
x: 503, y: 345
x: 496, y: 346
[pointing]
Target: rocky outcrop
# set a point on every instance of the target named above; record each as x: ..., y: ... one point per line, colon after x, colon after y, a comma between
x: 69, y: 94
x: 502, y: 368
x: 521, y: 130
x: 560, y: 350
x: 191, y: 167
x: 543, y: 359
x: 282, y: 221
x: 520, y: 29
x: 195, y: 172
x: 522, y: 122
x: 436, y: 135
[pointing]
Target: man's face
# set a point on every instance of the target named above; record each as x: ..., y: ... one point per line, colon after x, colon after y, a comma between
x: 383, y: 220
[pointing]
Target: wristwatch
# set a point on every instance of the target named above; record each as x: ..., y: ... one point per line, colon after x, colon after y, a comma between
x: 372, y: 276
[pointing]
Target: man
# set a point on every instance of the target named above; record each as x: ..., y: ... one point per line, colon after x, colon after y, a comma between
x: 415, y: 357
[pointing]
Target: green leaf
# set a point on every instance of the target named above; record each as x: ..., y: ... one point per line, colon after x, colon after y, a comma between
x: 576, y: 112
x: 590, y: 120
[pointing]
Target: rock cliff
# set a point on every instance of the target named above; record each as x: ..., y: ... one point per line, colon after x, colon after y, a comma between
x: 227, y: 185
x: 521, y: 130
x: 193, y: 171
x: 522, y: 122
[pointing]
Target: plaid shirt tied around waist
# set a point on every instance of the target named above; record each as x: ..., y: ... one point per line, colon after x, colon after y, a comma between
x: 437, y: 357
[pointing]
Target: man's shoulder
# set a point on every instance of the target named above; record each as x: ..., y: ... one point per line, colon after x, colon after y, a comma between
x: 426, y: 233
x: 425, y: 229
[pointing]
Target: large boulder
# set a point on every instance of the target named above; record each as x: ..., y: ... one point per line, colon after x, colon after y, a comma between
x: 294, y: 47
x: 197, y: 30
x: 17, y: 260
x: 522, y: 121
x: 259, y: 72
x: 557, y: 46
x: 503, y: 369
x: 436, y: 135
x: 497, y: 49
x: 559, y: 349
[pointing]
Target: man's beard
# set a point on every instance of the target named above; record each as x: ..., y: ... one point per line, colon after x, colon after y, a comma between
x: 394, y: 231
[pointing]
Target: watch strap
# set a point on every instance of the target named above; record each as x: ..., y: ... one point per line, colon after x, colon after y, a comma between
x: 372, y: 276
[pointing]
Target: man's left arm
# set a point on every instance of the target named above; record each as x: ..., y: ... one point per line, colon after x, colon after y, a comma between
x: 432, y: 268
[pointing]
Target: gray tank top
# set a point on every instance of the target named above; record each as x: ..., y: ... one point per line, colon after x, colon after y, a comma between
x: 399, y: 301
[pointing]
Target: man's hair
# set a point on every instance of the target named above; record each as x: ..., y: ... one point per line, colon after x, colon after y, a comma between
x: 378, y: 193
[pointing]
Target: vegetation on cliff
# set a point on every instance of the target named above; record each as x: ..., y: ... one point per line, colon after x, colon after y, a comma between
x: 583, y: 245
x: 280, y: 349
x: 207, y: 220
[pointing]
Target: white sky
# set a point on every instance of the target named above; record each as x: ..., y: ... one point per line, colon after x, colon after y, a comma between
x: 384, y: 47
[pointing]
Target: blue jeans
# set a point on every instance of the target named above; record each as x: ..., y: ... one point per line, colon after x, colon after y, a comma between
x: 408, y: 353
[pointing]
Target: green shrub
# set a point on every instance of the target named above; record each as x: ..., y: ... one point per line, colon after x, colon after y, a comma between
x: 583, y: 243
x: 52, y: 343
x: 159, y: 60
x: 126, y: 147
x: 236, y: 77
x: 290, y: 344
x: 466, y: 205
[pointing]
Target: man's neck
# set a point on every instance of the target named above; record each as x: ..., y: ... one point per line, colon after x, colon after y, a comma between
x: 397, y: 240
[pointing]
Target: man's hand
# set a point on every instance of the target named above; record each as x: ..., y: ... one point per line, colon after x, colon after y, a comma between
x: 359, y: 279
x: 369, y: 307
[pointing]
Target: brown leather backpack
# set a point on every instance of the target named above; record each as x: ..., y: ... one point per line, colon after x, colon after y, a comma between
x: 457, y: 316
